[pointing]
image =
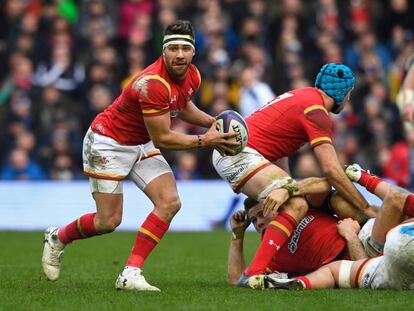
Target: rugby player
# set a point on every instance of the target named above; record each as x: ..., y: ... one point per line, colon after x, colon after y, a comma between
x: 277, y: 130
x: 317, y: 240
x: 390, y: 235
x: 123, y: 141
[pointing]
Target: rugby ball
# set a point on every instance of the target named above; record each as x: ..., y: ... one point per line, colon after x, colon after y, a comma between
x: 230, y: 121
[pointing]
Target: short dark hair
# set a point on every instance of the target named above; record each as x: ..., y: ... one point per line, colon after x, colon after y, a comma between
x: 249, y: 203
x: 179, y: 27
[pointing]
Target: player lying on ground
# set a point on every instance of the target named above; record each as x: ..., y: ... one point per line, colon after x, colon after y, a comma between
x: 318, y: 239
x: 392, y: 233
x: 276, y: 131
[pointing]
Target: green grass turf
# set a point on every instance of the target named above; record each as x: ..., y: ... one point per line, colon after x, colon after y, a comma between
x: 190, y: 269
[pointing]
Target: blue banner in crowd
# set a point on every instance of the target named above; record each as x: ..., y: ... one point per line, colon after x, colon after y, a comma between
x: 38, y: 205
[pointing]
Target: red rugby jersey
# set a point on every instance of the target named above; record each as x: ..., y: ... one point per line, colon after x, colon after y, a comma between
x: 287, y: 122
x: 315, y: 242
x: 152, y: 92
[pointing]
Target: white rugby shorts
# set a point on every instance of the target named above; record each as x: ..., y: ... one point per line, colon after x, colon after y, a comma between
x: 108, y: 163
x: 238, y: 169
x: 395, y: 269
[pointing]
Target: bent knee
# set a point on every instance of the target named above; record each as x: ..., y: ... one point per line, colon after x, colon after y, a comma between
x: 108, y: 224
x: 168, y: 208
x: 394, y: 200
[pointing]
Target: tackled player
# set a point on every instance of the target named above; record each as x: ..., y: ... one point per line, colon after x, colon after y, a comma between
x: 390, y: 235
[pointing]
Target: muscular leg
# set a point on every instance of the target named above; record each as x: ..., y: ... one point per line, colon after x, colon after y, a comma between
x: 107, y: 218
x: 325, y: 277
x: 162, y: 191
x: 328, y: 276
x: 154, y: 177
x: 296, y: 207
x: 396, y: 204
x: 108, y: 211
x: 281, y: 227
x: 254, y: 186
x: 389, y: 215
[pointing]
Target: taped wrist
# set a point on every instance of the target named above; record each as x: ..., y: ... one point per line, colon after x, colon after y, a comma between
x: 292, y: 187
x: 286, y: 183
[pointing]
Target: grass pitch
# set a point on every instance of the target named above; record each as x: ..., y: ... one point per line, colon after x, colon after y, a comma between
x: 190, y: 269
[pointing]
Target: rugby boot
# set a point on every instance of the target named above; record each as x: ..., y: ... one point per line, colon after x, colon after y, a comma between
x: 132, y: 279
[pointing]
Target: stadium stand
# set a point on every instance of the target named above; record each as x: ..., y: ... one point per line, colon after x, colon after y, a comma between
x: 65, y: 61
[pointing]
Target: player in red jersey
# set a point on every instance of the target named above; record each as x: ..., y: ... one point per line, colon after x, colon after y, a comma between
x: 123, y: 142
x: 276, y: 131
x: 387, y: 239
x: 318, y: 239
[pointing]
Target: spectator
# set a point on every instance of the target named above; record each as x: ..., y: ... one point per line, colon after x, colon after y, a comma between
x: 186, y: 168
x: 253, y: 93
x: 397, y: 168
x: 307, y: 166
x: 64, y: 169
x: 21, y: 167
x: 63, y: 60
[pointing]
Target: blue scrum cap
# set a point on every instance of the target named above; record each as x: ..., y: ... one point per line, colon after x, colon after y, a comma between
x: 336, y: 80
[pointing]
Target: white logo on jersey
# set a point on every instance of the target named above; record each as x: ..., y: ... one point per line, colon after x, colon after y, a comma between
x: 173, y: 99
x: 272, y: 243
x: 293, y: 243
x: 100, y: 128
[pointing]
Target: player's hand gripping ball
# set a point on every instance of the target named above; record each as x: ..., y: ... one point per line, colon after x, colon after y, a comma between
x: 230, y: 121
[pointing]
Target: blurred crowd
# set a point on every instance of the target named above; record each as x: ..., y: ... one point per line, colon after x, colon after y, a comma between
x: 64, y: 61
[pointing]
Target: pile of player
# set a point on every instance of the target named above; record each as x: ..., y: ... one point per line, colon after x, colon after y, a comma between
x: 123, y: 142
x: 380, y: 255
x: 306, y: 227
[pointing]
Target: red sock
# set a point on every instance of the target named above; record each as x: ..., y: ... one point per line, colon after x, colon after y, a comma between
x: 277, y: 233
x: 150, y: 233
x: 370, y: 182
x: 408, y: 209
x: 305, y: 280
x: 81, y: 228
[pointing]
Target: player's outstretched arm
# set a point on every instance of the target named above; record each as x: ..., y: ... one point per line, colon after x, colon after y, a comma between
x: 163, y: 137
x: 372, y: 183
x: 313, y: 185
x: 286, y: 187
x: 235, y: 263
x: 335, y: 174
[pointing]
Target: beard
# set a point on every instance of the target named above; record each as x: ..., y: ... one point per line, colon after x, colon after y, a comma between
x: 178, y: 71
